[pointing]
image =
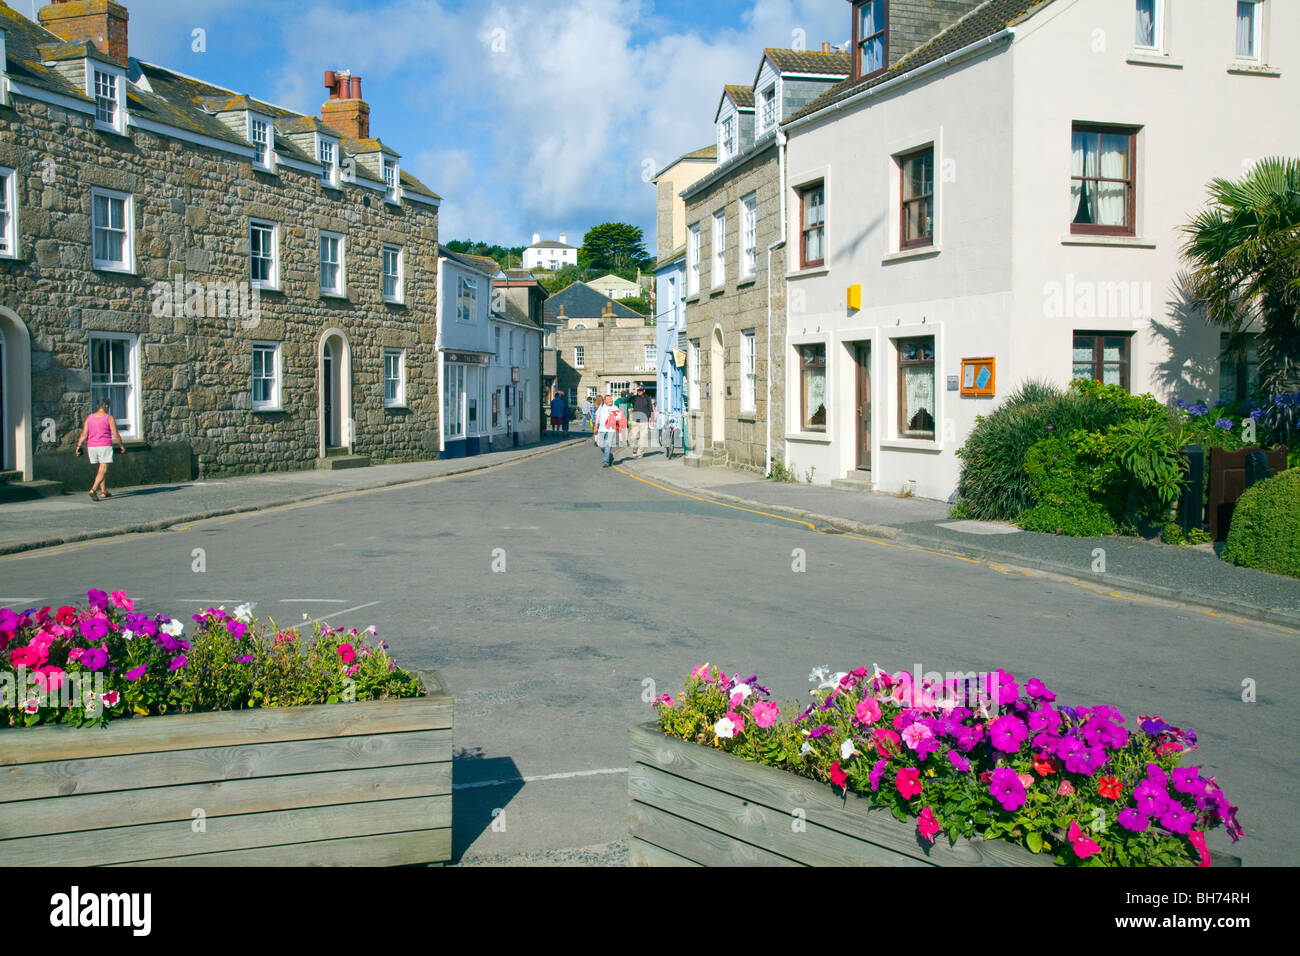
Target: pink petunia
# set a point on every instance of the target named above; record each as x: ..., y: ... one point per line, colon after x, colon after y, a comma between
x: 136, y: 673
x: 348, y: 653
x: 121, y: 600
x: 737, y: 720
x: 1084, y: 846
x: 30, y: 655
x: 928, y: 825
x: 766, y: 713
x: 867, y: 711
x: 838, y: 776
x: 48, y: 678
x: 908, y: 782
x: 1197, y: 839
x: 916, y: 733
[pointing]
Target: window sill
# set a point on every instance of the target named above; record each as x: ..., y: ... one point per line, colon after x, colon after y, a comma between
x: 746, y: 282
x: 694, y: 297
x: 116, y: 270
x: 1248, y: 68
x: 395, y: 302
x: 112, y: 131
x: 397, y: 407
x: 268, y: 408
x: 920, y: 252
x: 810, y: 271
x: 266, y: 288
x: 748, y: 416
x: 912, y: 444
x: 334, y: 295
x: 820, y: 438
x: 717, y: 290
x: 1132, y: 242
x: 1152, y: 58
x: 268, y: 170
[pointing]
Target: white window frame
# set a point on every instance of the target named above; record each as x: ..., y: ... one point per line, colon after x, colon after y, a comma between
x: 693, y: 376
x: 466, y: 292
x: 749, y: 236
x: 329, y: 173
x: 718, y: 275
x: 271, y: 404
x: 453, y: 401
x: 496, y: 353
x: 129, y: 427
x: 393, y: 185
x: 512, y: 348
x: 1257, y: 37
x: 650, y: 353
x: 399, y: 398
x: 127, y: 263
x: 1158, y: 13
x: 727, y: 137
x: 8, y: 213
x: 273, y: 281
x: 399, y: 277
x: 340, y: 287
x: 264, y: 153
x: 769, y: 109
x: 579, y: 356
x: 94, y: 71
x: 693, y: 259
x: 748, y: 372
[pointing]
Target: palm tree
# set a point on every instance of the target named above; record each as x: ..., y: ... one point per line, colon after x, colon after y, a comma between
x: 1244, y: 251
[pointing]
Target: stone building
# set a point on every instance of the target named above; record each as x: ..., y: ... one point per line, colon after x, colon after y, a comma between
x: 251, y: 288
x: 736, y: 265
x: 602, y: 347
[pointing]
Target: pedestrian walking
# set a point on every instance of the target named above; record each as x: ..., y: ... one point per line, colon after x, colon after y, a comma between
x: 587, y: 411
x: 641, y: 411
x: 559, y: 413
x: 99, y: 433
x: 608, y: 424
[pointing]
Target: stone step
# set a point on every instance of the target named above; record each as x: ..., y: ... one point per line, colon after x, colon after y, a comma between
x: 11, y: 476
x: 11, y: 491
x: 861, y: 481
x: 335, y: 462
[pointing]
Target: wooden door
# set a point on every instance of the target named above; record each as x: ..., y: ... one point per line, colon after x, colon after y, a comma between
x: 863, y: 420
x: 327, y: 385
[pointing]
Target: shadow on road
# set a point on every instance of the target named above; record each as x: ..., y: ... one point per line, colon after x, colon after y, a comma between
x: 480, y: 785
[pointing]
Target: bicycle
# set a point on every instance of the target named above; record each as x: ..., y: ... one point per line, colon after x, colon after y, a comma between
x: 668, y: 436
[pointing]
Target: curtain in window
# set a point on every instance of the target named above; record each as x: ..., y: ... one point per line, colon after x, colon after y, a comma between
x: 1112, y: 198
x: 1105, y: 156
x: 1083, y: 162
x: 918, y: 394
x: 814, y: 397
x: 1246, y: 29
x: 1146, y: 23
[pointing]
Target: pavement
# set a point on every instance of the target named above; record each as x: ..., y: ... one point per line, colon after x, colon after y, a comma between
x: 1189, y: 575
x: 46, y: 522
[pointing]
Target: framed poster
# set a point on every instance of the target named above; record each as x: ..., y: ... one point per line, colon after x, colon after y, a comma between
x: 979, y: 377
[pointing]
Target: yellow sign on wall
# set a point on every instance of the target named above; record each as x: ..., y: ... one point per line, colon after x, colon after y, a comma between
x: 855, y: 296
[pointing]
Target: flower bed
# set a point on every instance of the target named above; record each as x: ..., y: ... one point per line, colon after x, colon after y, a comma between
x: 1066, y: 784
x: 257, y: 779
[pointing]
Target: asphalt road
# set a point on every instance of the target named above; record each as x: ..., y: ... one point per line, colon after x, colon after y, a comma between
x: 612, y: 590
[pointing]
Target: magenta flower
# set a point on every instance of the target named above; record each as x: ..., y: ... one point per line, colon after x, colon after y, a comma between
x: 1007, y: 734
x: 245, y: 659
x: 97, y: 599
x: 916, y: 733
x: 136, y: 673
x: 236, y: 629
x: 121, y: 600
x: 1037, y: 689
x: 928, y: 825
x: 28, y: 656
x: 94, y: 658
x: 766, y: 713
x: 347, y: 652
x: 177, y: 663
x: 867, y: 711
x: 908, y: 782
x: 1130, y: 819
x: 877, y: 772
x: 958, y: 761
x: 1084, y: 846
x: 1175, y: 819
x: 1007, y: 789
x: 94, y: 628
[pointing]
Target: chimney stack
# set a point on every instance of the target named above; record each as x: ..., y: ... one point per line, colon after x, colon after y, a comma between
x: 102, y: 22
x: 345, y: 110
x: 537, y: 237
x: 562, y: 242
x: 826, y: 47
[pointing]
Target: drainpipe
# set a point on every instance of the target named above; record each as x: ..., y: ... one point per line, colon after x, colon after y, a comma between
x: 767, y: 385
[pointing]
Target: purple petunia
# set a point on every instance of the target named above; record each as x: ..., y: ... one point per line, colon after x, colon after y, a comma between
x: 177, y: 663
x: 236, y: 629
x: 1150, y: 797
x: 1006, y: 787
x: 136, y: 673
x: 98, y: 599
x: 877, y: 771
x: 822, y: 729
x: 1223, y: 423
x: 1131, y: 819
x: 94, y: 659
x: 1036, y: 688
x: 1007, y: 734
x: 958, y: 761
x: 1175, y: 819
x: 94, y: 628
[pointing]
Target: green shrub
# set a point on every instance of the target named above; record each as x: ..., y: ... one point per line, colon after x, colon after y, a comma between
x: 1070, y: 490
x: 781, y: 472
x: 1150, y: 453
x: 994, y: 484
x: 1265, y: 531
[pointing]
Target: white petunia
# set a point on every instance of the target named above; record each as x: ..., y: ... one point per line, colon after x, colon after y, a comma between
x: 173, y: 627
x: 128, y: 634
x: 833, y: 680
x: 806, y: 748
x: 847, y: 750
x: 244, y: 612
x: 818, y: 674
x: 741, y: 689
x: 725, y: 728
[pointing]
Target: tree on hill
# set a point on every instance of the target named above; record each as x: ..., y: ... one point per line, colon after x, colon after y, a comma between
x: 613, y: 247
x: 508, y: 257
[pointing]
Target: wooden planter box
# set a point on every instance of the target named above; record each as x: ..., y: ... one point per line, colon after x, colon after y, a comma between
x: 696, y: 806
x: 362, y: 784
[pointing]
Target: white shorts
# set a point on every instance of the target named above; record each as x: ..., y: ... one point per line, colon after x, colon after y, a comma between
x: 100, y: 454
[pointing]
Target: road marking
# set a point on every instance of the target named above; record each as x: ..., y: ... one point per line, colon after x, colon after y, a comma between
x: 359, y: 607
x: 712, y: 501
x: 567, y: 775
x: 20, y: 600
x: 313, y: 601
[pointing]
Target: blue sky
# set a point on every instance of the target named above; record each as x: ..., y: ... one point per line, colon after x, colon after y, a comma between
x: 526, y: 116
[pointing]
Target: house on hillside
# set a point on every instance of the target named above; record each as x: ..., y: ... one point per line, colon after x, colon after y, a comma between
x: 1001, y: 202
x: 616, y: 287
x: 550, y: 254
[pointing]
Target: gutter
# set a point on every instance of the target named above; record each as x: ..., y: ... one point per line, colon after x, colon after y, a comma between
x: 934, y: 66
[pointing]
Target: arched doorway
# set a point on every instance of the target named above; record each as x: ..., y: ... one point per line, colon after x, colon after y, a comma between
x: 15, y: 395
x: 718, y: 371
x: 334, y: 378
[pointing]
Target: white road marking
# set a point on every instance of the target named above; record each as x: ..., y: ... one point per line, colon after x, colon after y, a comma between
x: 349, y: 610
x: 313, y: 601
x: 567, y: 775
x: 20, y: 600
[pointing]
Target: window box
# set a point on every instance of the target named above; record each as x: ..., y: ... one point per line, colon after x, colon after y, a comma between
x: 1103, y: 180
x: 332, y: 278
x: 114, y: 231
x: 273, y: 783
x: 264, y: 254
x: 266, y: 377
x: 115, y: 373
x: 812, y: 226
x: 916, y: 388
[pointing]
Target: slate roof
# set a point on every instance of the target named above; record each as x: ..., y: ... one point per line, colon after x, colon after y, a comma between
x: 550, y: 244
x: 581, y: 301
x: 742, y: 96
x: 166, y: 97
x: 984, y: 21
x: 481, y: 264
x: 708, y: 153
x: 808, y: 61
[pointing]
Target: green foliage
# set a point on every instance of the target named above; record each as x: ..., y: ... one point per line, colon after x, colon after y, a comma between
x: 1173, y: 534
x: 1265, y: 531
x: 636, y: 304
x: 1150, y: 453
x: 507, y: 257
x: 782, y: 472
x: 563, y: 277
x: 1072, y: 480
x: 612, y: 246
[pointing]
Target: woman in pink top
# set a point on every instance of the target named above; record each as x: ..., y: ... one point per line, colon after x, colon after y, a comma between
x: 99, y: 433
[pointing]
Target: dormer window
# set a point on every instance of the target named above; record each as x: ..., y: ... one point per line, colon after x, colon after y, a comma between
x: 728, y: 137
x: 870, y: 37
x: 768, y: 98
x: 107, y: 88
x: 392, y: 180
x: 327, y: 152
x: 263, y: 140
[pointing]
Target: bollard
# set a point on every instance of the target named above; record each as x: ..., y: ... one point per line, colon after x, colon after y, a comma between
x: 1191, y: 509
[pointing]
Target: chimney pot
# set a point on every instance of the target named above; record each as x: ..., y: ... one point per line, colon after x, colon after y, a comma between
x: 345, y: 110
x: 537, y: 237
x: 826, y: 47
x: 562, y: 238
x: 356, y: 87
